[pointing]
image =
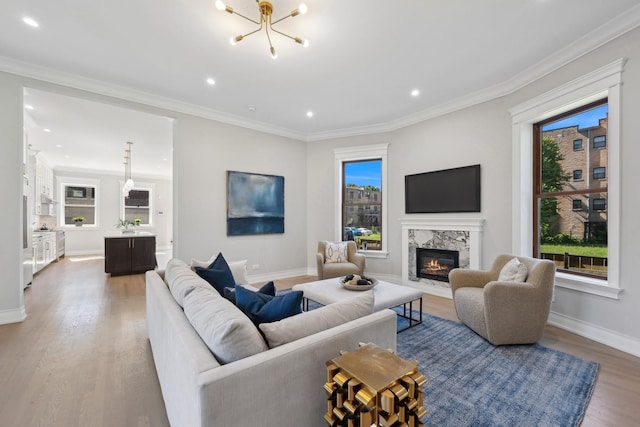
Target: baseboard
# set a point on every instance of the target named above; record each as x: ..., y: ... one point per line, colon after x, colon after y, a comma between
x: 13, y: 316
x: 604, y: 336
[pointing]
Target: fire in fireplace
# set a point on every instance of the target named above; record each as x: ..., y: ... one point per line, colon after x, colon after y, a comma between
x: 435, y: 264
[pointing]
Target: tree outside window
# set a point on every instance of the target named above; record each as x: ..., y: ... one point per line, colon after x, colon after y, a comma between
x: 564, y: 228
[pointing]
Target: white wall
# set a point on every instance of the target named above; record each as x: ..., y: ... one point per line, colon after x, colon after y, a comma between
x: 432, y: 145
x: 203, y: 151
x: 11, y: 296
x: 90, y: 240
x: 482, y: 134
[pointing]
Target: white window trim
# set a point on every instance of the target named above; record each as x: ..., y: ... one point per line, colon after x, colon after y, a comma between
x: 140, y: 186
x: 601, y: 83
x: 350, y: 154
x: 63, y: 181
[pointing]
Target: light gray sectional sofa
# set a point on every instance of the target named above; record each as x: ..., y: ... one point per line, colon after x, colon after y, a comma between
x: 280, y: 386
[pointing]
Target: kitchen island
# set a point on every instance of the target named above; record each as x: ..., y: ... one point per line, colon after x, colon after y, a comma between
x: 129, y: 253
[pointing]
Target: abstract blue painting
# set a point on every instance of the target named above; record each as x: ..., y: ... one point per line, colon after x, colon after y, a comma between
x: 255, y: 203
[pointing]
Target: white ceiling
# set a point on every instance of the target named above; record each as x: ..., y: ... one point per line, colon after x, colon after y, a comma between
x: 364, y: 58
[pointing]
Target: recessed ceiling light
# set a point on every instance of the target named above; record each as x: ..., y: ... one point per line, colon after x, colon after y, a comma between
x: 211, y: 81
x: 66, y: 156
x: 30, y: 22
x: 28, y: 107
x: 58, y: 145
x: 309, y: 114
x: 251, y: 108
x: 164, y: 159
x: 46, y: 130
x: 415, y: 93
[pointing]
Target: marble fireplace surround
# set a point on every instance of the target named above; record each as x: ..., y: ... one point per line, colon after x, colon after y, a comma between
x: 462, y: 234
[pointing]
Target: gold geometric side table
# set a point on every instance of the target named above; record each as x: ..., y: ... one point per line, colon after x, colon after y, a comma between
x: 372, y: 386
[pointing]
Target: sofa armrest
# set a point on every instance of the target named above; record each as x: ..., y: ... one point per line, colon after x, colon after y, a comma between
x: 274, y: 384
x: 359, y: 260
x: 320, y: 265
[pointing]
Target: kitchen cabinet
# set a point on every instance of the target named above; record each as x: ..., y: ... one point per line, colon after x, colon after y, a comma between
x: 129, y: 255
x: 44, y: 249
x: 43, y: 188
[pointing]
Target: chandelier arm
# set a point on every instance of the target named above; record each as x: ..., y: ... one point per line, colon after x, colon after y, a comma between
x: 266, y: 30
x: 252, y: 32
x: 283, y: 18
x: 284, y: 34
x: 246, y: 17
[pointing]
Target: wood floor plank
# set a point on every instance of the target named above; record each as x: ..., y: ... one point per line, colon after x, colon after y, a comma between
x: 82, y: 356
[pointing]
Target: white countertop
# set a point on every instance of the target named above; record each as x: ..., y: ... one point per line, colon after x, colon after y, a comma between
x: 116, y: 235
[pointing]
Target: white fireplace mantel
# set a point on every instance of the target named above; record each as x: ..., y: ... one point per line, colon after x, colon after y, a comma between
x: 473, y: 226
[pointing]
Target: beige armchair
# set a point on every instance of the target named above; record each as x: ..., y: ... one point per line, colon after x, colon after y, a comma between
x: 354, y: 265
x: 505, y: 312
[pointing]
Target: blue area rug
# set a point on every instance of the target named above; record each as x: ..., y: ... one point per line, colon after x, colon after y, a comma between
x: 473, y: 383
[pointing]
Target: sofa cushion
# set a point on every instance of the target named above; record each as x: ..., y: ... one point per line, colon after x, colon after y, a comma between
x: 227, y: 332
x: 335, y: 252
x: 513, y: 271
x: 268, y: 289
x: 238, y: 269
x: 181, y: 280
x: 320, y: 319
x: 262, y: 308
x: 218, y: 274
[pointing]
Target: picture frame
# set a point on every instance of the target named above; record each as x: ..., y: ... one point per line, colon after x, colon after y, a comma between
x: 255, y: 204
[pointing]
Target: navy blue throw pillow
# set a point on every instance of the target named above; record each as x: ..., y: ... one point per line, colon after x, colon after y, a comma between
x: 267, y: 289
x: 262, y: 308
x: 218, y: 274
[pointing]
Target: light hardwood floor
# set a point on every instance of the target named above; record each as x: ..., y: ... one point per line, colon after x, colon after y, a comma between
x: 82, y: 357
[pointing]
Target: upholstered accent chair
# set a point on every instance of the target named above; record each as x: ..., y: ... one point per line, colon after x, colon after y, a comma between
x: 505, y: 312
x: 353, y: 264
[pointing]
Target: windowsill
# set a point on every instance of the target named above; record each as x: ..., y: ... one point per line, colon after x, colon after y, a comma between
x: 587, y: 285
x: 374, y: 254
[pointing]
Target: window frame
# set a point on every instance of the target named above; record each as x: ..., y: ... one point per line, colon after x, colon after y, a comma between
x: 604, y: 82
x: 580, y: 147
x: 351, y: 154
x: 579, y: 173
x: 62, y: 183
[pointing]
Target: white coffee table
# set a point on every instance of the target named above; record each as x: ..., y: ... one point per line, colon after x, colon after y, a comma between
x: 386, y: 295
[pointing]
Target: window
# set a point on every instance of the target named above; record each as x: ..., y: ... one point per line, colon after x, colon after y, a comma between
x: 600, y: 141
x: 361, y: 219
x: 361, y: 197
x: 599, y: 204
x: 565, y: 230
x: 79, y: 200
x: 138, y: 205
x: 577, y: 144
x: 603, y: 83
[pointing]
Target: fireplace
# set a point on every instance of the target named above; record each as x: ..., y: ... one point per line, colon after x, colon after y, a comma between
x: 435, y: 264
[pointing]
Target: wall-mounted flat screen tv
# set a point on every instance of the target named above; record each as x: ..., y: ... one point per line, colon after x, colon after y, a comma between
x: 443, y: 191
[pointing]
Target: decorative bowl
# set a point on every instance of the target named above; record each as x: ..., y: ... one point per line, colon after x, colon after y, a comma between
x: 345, y: 283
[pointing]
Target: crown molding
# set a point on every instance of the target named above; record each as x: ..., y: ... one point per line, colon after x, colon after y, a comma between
x: 601, y: 35
x: 75, y: 81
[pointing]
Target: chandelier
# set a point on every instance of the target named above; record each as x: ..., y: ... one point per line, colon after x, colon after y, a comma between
x: 128, y: 182
x: 266, y: 9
